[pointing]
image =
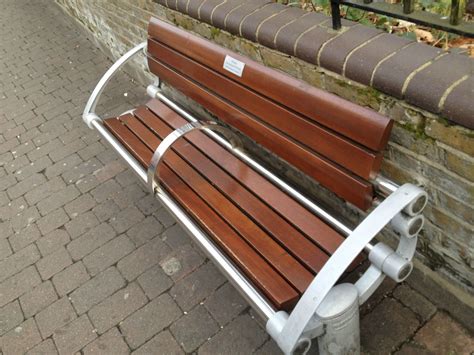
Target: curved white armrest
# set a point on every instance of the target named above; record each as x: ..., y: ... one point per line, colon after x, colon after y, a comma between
x: 89, y: 114
x: 306, y: 308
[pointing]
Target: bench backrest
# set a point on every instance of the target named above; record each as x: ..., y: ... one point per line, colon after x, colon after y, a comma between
x: 332, y: 140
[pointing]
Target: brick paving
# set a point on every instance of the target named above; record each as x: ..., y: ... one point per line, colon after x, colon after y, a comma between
x: 89, y: 262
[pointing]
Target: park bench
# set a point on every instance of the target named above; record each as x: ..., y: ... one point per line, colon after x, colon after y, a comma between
x: 281, y: 250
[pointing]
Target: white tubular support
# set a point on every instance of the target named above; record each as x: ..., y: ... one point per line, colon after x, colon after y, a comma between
x: 153, y: 174
x: 292, y: 332
x: 89, y: 114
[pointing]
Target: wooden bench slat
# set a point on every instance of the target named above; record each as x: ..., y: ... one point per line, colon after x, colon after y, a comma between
x: 349, y: 187
x: 275, y: 255
x: 284, y: 233
x: 272, y: 285
x: 342, y: 151
x: 318, y: 231
x: 129, y: 140
x: 360, y: 124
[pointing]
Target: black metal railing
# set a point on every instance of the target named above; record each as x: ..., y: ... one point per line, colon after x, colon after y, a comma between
x: 405, y: 10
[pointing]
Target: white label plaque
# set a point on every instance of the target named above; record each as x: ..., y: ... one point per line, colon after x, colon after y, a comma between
x: 234, y: 66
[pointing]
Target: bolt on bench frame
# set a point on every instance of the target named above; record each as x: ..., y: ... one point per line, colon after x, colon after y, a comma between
x: 323, y: 307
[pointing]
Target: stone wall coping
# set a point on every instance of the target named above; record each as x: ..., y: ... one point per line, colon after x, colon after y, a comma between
x: 424, y: 76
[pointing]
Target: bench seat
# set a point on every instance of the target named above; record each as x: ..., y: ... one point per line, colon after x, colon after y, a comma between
x: 283, y: 252
x: 272, y: 238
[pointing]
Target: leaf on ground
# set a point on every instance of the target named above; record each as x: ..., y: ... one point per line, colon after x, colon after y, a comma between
x: 424, y: 36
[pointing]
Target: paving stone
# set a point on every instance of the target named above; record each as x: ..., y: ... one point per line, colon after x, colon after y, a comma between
x: 32, y: 168
x: 18, y: 261
x: 5, y: 249
x: 70, y: 278
x: 175, y: 237
x: 10, y: 317
x: 148, y: 204
x: 143, y: 258
x: 126, y: 219
x: 67, y: 150
x: 80, y: 171
x: 109, y: 343
x: 91, y: 151
x: 74, y: 336
x: 10, y: 210
x: 24, y: 237
x: 55, y: 316
x: 20, y: 339
x: 109, y: 170
x: 194, y: 328
x: 18, y: 284
x: 154, y: 282
x: 47, y: 347
x: 270, y: 348
x: 105, y: 191
x: 145, y: 231
x: 87, y: 184
x: 108, y: 254
x: 194, y: 288
x: 80, y: 205
x: 24, y: 219
x: 90, y: 241
x: 130, y: 195
x: 54, y: 263
x: 241, y: 336
x: 150, y: 320
x: 58, y: 199
x: 105, y: 210
x: 126, y: 178
x: 165, y: 218
x: 117, y: 307
x: 225, y: 304
x: 182, y: 262
x: 44, y: 190
x: 443, y: 335
x: 38, y: 298
x: 162, y: 343
x: 401, y: 322
x: 26, y: 185
x: 63, y: 166
x: 52, y: 221
x: 387, y: 287
x: 81, y: 224
x: 52, y: 241
x: 416, y: 302
x: 96, y: 289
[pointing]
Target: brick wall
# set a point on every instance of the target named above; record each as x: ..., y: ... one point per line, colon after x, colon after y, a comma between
x: 424, y: 148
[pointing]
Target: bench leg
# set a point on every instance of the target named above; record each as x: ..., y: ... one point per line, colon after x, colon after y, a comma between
x: 339, y: 312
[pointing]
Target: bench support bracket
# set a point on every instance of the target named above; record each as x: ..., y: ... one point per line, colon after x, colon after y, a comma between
x: 292, y: 331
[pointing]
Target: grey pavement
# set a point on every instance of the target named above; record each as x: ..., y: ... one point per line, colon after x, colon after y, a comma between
x: 90, y: 263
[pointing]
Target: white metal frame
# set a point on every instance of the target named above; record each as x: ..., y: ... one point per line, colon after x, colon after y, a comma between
x: 401, y: 209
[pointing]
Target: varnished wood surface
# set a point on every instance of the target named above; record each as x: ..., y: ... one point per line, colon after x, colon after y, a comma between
x: 261, y: 228
x: 351, y: 156
x: 360, y: 124
x: 340, y: 181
